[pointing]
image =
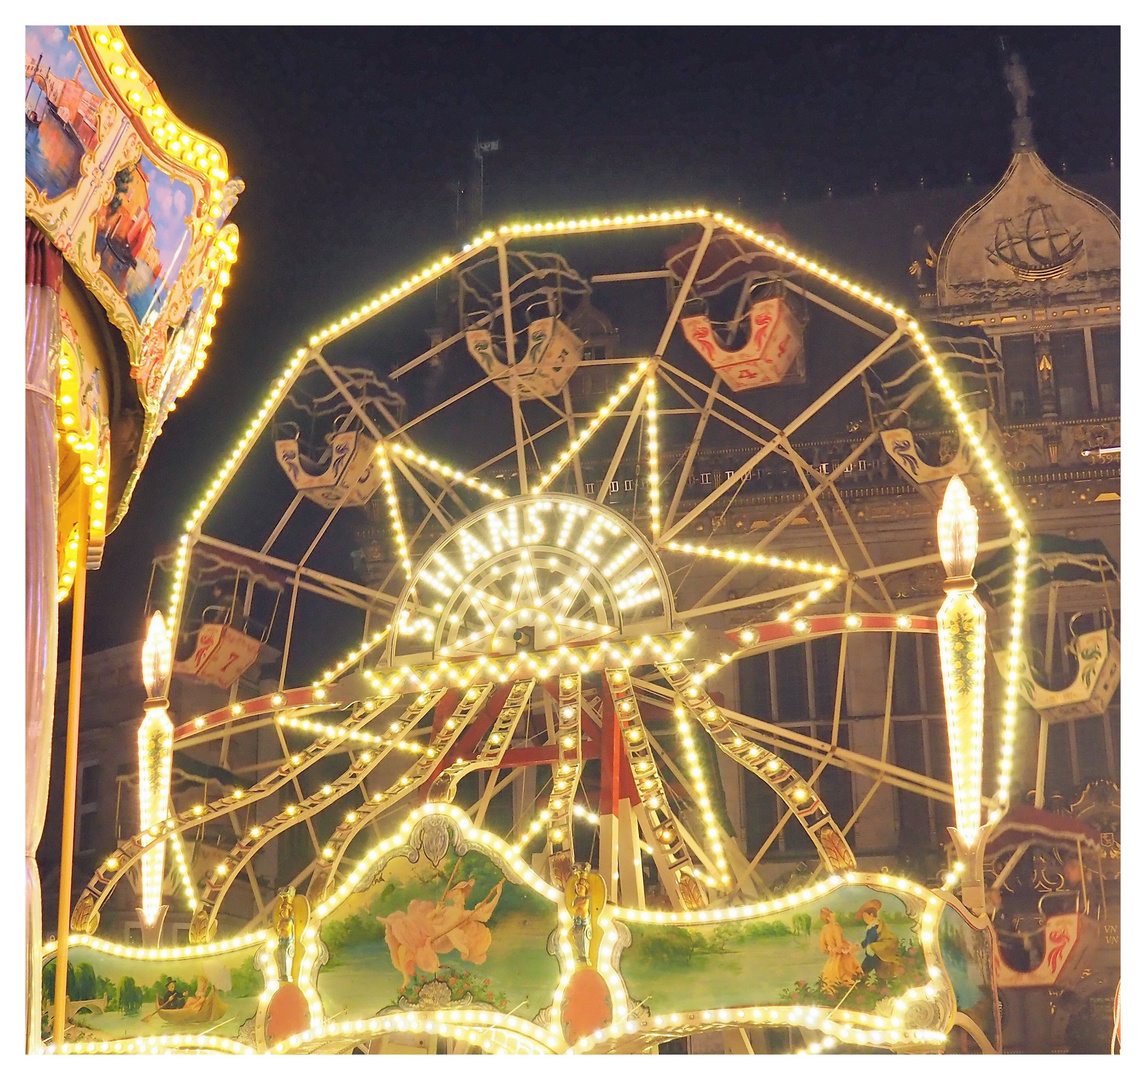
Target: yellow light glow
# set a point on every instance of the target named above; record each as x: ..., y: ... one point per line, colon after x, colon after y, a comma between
x: 958, y: 530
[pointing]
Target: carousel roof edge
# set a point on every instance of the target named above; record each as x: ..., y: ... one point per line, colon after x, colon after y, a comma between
x: 136, y: 201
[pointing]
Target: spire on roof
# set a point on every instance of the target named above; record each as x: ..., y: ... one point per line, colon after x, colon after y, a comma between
x: 1015, y: 72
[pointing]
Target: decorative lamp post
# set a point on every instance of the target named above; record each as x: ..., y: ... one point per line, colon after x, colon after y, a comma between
x: 154, y: 766
x: 962, y: 653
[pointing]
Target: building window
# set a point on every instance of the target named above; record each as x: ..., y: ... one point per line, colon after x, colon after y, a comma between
x: 1107, y: 343
x: 87, y: 807
x: 1018, y: 354
x: 1068, y: 353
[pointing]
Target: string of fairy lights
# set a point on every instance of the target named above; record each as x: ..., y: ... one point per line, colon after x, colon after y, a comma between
x: 653, y: 437
x: 586, y: 432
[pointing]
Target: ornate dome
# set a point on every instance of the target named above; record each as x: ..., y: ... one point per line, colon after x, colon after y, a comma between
x: 1030, y: 238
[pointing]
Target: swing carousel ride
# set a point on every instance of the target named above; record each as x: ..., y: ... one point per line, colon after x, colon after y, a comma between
x: 639, y: 462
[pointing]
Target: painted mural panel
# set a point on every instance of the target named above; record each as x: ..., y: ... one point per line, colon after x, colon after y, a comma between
x: 421, y: 935
x: 61, y: 110
x: 142, y: 234
x: 113, y: 997
x: 858, y: 945
x: 967, y: 957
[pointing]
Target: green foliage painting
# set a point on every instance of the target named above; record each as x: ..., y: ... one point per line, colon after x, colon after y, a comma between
x: 798, y: 957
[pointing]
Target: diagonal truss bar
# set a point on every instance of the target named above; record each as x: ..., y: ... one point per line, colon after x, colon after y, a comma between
x: 668, y: 849
x: 432, y: 504
x: 787, y: 432
x: 693, y: 447
x: 792, y: 788
x: 85, y: 915
x: 493, y: 750
x: 851, y: 458
x: 214, y: 891
x: 603, y: 414
x: 567, y: 770
x: 395, y: 514
x: 341, y: 589
x: 623, y: 442
x: 355, y: 821
x: 446, y: 471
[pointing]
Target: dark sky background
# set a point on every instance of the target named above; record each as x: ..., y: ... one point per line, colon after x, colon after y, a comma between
x: 352, y: 140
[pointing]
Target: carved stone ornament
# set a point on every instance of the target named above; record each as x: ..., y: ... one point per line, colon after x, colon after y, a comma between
x: 432, y: 835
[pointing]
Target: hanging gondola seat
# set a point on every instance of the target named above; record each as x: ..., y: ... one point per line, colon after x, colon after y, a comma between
x: 1099, y: 670
x: 550, y: 355
x: 220, y: 652
x: 347, y: 475
x: 1063, y: 947
x: 774, y: 347
x: 899, y: 445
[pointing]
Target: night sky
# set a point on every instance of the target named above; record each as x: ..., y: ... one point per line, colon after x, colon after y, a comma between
x: 352, y: 143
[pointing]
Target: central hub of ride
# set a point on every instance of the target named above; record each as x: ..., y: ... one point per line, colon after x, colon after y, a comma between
x: 532, y: 573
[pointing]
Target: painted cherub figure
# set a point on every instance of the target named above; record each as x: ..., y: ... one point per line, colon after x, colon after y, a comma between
x: 419, y: 934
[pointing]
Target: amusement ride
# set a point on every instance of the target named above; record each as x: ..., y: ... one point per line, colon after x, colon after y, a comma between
x: 636, y: 457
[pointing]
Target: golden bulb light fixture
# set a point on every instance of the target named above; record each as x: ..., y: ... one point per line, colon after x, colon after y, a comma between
x: 962, y: 654
x: 155, y: 735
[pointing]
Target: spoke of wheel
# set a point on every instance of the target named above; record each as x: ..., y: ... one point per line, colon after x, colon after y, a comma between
x: 567, y: 768
x: 247, y: 846
x: 854, y: 456
x: 693, y: 446
x: 470, y: 705
x: 131, y: 850
x: 567, y: 401
x: 796, y: 792
x: 493, y: 749
x: 511, y: 361
x: 652, y: 809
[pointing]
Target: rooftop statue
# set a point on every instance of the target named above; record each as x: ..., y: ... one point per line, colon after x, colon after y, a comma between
x: 1017, y: 83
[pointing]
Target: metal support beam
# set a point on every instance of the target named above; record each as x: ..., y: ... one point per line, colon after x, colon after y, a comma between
x: 787, y: 432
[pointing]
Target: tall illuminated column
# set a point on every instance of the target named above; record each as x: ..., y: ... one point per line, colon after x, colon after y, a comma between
x: 155, y: 735
x: 962, y: 653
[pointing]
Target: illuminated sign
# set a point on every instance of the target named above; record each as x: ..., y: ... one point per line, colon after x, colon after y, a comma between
x: 533, y: 573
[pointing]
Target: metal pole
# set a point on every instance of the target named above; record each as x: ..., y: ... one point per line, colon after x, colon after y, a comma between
x: 511, y: 361
x: 71, y: 754
x: 789, y: 430
x: 1041, y: 766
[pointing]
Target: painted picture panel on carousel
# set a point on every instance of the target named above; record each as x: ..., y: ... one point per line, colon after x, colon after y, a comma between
x: 61, y: 110
x: 857, y: 943
x: 129, y: 996
x: 967, y: 957
x: 419, y: 934
x: 142, y: 235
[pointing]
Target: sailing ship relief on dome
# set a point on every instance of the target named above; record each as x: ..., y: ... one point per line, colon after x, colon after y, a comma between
x: 1031, y: 237
x: 1035, y: 245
